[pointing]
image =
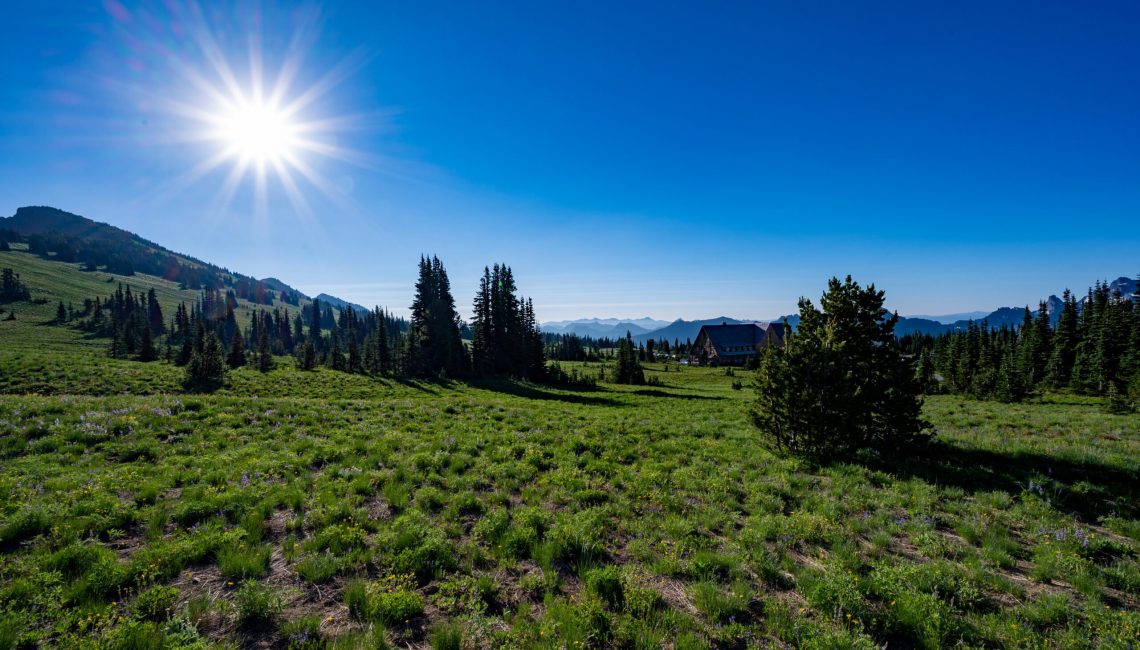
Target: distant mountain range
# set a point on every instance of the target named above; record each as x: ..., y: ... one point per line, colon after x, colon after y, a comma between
x: 604, y: 327
x: 947, y: 319
x: 684, y: 330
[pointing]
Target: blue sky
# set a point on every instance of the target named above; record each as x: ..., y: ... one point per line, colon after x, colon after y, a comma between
x: 627, y: 159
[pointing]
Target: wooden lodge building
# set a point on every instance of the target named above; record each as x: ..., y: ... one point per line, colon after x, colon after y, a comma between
x: 734, y: 345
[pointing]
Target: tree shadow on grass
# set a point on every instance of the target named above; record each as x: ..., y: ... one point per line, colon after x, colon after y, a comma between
x: 429, y: 386
x: 533, y: 391
x: 1088, y: 490
x: 655, y: 392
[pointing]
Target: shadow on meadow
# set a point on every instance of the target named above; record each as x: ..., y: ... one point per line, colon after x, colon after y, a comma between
x: 654, y: 392
x: 429, y: 386
x: 1087, y: 489
x: 532, y: 391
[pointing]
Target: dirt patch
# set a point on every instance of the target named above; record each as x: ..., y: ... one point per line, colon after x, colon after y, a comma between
x: 673, y: 592
x: 378, y: 509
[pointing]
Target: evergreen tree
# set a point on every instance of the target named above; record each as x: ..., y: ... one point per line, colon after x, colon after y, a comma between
x: 1060, y: 366
x: 236, y: 357
x: 433, y: 343
x: 840, y: 384
x: 307, y: 355
x: 154, y: 313
x: 264, y: 357
x: 628, y: 369
x: 335, y: 359
x: 315, y: 323
x: 11, y: 288
x: 61, y: 313
x: 147, y: 351
x: 207, y: 368
x: 506, y: 339
x: 383, y: 351
x: 481, y: 339
x: 354, y: 362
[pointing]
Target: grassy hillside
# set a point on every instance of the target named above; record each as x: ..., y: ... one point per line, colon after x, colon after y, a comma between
x: 297, y: 509
x: 53, y: 281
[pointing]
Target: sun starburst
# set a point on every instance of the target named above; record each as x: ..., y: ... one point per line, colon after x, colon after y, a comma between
x: 271, y: 135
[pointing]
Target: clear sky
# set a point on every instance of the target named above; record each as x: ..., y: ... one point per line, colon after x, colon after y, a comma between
x: 664, y: 159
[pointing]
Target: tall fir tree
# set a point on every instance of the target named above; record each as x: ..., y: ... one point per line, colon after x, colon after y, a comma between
x: 236, y: 357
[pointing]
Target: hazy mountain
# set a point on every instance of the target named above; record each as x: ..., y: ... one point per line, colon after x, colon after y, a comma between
x: 337, y: 303
x: 684, y: 330
x: 599, y: 330
x: 278, y: 285
x: 947, y: 319
x: 569, y: 326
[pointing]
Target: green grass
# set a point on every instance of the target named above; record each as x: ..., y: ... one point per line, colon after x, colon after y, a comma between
x: 323, y: 509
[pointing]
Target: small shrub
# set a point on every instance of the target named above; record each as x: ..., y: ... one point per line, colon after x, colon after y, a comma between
x: 338, y: 538
x: 605, y: 583
x: 492, y: 526
x: 642, y: 603
x: 319, y: 568
x: 303, y: 634
x: 721, y: 606
x: 256, y: 603
x: 427, y: 560
x: 25, y: 524
x: 397, y: 606
x: 356, y: 599
x: 241, y: 561
x: 137, y: 635
x: 706, y: 565
x: 447, y: 636
x: 156, y: 603
x: 10, y: 630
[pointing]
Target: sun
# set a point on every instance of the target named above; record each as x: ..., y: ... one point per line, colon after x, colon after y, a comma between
x: 258, y: 132
x: 270, y: 128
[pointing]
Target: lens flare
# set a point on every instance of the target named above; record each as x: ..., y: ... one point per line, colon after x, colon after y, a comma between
x: 272, y: 123
x: 258, y: 132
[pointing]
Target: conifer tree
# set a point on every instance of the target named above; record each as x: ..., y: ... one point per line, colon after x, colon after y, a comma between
x: 315, y: 323
x: 147, y: 351
x: 154, y: 313
x: 383, y: 352
x: 207, y: 368
x: 307, y: 355
x: 264, y: 357
x: 354, y: 363
x: 433, y: 346
x: 628, y: 369
x: 1064, y: 352
x: 840, y: 383
x: 335, y: 357
x: 236, y: 357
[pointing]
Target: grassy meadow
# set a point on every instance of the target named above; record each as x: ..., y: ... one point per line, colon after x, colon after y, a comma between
x: 313, y: 510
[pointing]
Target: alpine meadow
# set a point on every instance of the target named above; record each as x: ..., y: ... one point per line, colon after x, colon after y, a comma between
x: 283, y: 369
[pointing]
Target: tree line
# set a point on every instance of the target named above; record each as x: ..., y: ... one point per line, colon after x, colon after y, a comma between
x: 1093, y: 349
x: 573, y: 347
x: 205, y: 337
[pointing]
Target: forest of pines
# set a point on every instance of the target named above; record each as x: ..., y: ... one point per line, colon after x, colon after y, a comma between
x: 206, y: 338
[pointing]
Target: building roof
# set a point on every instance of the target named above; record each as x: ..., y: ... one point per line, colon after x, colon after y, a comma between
x: 740, y: 338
